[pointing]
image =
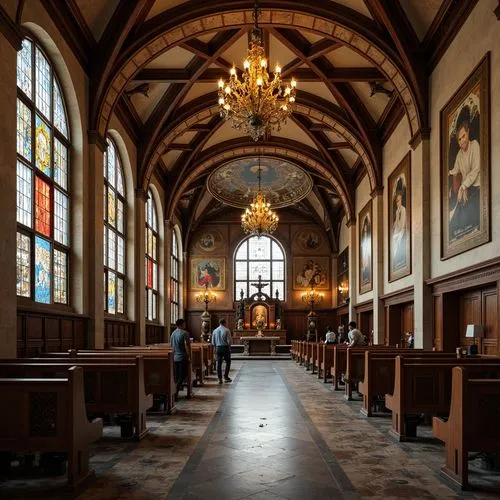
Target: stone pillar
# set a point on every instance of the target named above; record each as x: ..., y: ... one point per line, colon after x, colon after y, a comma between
x: 353, y: 270
x: 8, y: 224
x: 421, y: 245
x: 167, y: 249
x: 141, y: 198
x: 95, y: 240
x: 378, y: 267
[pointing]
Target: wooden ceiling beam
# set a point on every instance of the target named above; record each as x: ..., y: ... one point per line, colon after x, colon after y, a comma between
x: 212, y: 75
x: 181, y: 147
x: 338, y: 145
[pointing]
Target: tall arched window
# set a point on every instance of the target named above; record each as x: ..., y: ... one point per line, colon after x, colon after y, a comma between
x: 175, y: 286
x: 114, y: 232
x: 151, y: 259
x: 259, y: 257
x: 43, y: 174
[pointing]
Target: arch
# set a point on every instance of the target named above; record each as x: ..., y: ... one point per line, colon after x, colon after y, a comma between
x: 279, y: 270
x: 232, y: 152
x: 77, y: 283
x: 337, y: 124
x: 171, y: 31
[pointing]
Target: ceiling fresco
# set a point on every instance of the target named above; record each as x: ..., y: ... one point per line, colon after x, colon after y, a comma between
x: 236, y: 183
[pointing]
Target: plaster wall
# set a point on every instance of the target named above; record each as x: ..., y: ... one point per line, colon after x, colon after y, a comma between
x: 454, y: 68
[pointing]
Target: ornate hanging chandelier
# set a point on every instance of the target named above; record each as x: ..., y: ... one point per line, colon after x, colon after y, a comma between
x: 258, y: 218
x: 257, y: 104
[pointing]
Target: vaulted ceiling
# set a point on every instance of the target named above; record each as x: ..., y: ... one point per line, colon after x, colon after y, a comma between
x: 361, y: 66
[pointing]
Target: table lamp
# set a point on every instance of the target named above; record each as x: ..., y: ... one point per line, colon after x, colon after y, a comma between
x: 473, y: 332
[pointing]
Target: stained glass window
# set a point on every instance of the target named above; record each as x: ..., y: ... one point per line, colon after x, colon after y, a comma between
x: 151, y: 264
x: 262, y: 257
x: 114, y: 231
x: 175, y: 297
x: 43, y: 174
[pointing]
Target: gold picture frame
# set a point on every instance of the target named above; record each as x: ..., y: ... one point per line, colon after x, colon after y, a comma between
x: 211, y: 270
x: 365, y: 249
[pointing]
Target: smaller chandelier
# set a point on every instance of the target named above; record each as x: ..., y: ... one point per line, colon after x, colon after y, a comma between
x: 258, y: 218
x: 258, y: 104
x: 205, y: 297
x: 312, y: 297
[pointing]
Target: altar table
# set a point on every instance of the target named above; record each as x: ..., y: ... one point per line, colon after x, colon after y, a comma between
x: 259, y: 345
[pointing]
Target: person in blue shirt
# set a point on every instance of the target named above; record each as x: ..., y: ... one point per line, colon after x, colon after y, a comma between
x: 180, y: 342
x: 221, y: 339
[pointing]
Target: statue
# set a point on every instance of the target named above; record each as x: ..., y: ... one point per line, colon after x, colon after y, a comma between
x: 240, y: 324
x: 278, y: 324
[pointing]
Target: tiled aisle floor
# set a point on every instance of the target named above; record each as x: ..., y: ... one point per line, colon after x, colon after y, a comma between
x: 276, y: 432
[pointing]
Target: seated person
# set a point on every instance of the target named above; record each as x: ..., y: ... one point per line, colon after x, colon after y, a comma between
x: 356, y: 338
x: 330, y: 338
x: 341, y: 336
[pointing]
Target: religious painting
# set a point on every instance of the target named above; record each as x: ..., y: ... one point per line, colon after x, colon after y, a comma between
x: 399, y: 190
x: 311, y: 272
x: 465, y: 165
x: 208, y: 241
x: 208, y: 271
x: 365, y: 249
x: 308, y: 240
x: 282, y: 182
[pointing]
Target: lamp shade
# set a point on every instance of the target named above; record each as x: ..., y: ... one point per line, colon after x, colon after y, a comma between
x: 474, y: 331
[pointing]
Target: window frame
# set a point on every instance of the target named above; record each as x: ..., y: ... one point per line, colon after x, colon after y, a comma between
x: 155, y: 261
x: 31, y: 232
x: 175, y: 279
x: 108, y: 227
x: 236, y: 296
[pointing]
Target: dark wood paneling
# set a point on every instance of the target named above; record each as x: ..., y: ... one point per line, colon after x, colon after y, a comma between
x: 118, y: 333
x: 44, y: 332
x: 408, y: 318
x: 154, y: 333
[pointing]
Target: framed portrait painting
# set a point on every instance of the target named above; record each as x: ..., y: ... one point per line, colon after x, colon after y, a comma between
x: 311, y: 272
x: 208, y: 271
x: 465, y: 165
x: 399, y: 189
x: 365, y: 249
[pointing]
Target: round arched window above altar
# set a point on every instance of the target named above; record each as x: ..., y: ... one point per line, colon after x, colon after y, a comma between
x: 262, y: 257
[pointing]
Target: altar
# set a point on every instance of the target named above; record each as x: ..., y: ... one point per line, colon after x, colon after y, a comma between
x: 250, y: 332
x: 259, y: 345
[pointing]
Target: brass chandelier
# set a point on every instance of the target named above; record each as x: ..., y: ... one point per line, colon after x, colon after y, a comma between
x: 258, y: 218
x: 257, y: 103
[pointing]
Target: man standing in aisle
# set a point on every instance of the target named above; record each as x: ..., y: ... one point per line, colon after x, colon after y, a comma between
x: 221, y: 339
x: 179, y: 339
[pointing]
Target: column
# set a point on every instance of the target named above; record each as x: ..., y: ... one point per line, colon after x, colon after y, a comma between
x: 95, y: 240
x: 141, y: 198
x: 167, y: 247
x: 8, y: 224
x: 421, y: 249
x: 353, y: 269
x: 378, y: 267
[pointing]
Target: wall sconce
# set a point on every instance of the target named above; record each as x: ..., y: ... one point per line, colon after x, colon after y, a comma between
x: 343, y: 289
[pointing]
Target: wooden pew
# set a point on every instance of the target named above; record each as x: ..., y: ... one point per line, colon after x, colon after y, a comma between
x: 312, y: 355
x: 327, y: 361
x: 195, y: 368
x: 48, y: 416
x: 158, y: 369
x: 116, y: 387
x: 378, y: 373
x: 425, y: 387
x: 472, y: 424
x: 319, y: 357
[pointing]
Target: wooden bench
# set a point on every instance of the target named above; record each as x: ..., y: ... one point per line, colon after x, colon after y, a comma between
x: 110, y: 387
x: 48, y: 416
x: 377, y: 373
x: 195, y: 368
x: 158, y: 369
x: 472, y: 424
x: 326, y: 361
x: 424, y: 387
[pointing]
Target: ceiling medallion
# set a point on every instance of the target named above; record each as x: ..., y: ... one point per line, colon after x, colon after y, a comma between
x: 258, y: 104
x: 258, y: 218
